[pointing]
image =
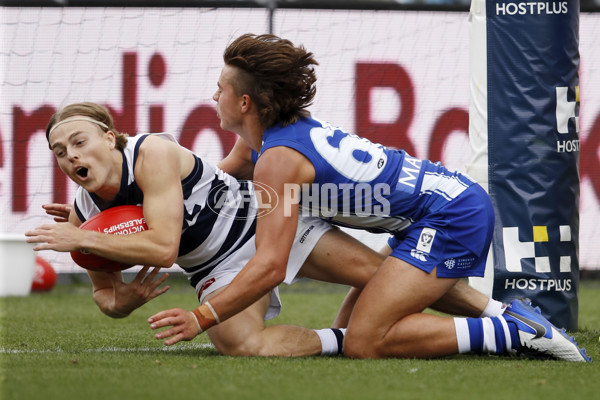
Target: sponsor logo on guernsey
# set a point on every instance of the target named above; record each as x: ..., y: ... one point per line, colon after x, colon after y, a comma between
x: 450, y: 263
x: 409, y: 174
x: 459, y: 263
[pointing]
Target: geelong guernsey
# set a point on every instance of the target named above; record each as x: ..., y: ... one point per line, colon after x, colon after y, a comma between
x: 219, y: 211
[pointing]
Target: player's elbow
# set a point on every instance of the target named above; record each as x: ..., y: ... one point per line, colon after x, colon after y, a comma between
x: 165, y: 257
x: 165, y: 253
x: 102, y: 300
x: 274, y: 272
x: 113, y: 313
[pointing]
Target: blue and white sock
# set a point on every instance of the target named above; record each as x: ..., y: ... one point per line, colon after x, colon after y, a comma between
x: 486, y: 335
x: 332, y: 340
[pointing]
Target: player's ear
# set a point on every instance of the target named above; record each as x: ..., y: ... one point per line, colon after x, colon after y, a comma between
x: 246, y: 102
x: 110, y: 137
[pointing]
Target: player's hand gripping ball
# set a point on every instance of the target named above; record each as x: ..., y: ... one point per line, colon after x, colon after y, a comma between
x: 121, y: 220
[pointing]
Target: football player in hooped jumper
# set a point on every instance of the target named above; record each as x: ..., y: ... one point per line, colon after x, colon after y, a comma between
x: 441, y: 221
x: 212, y: 242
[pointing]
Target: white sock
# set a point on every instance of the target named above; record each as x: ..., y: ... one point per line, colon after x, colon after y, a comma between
x: 331, y: 340
x: 462, y: 335
x: 489, y: 336
x: 493, y: 309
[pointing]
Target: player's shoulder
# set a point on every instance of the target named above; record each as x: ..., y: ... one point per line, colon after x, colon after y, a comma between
x: 156, y: 138
x: 157, y: 145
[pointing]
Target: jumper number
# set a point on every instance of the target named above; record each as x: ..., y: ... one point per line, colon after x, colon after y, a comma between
x: 353, y: 157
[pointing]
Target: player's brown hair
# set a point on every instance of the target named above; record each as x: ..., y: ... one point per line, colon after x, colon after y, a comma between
x: 278, y: 76
x: 92, y: 110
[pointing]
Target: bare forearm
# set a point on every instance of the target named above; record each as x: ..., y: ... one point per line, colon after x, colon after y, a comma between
x: 118, y: 299
x: 144, y: 248
x: 157, y: 247
x: 253, y: 282
x: 105, y: 301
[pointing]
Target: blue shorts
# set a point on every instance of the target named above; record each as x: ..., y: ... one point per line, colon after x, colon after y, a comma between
x: 455, y: 239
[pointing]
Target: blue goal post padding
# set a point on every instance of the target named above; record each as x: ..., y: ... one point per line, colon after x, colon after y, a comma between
x: 531, y: 59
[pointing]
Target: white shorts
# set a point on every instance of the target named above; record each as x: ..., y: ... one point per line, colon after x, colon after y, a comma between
x: 308, y: 233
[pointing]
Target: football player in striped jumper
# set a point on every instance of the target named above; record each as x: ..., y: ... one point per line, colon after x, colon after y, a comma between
x: 440, y: 221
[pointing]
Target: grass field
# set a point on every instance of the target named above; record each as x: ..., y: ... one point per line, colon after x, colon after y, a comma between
x: 58, y: 345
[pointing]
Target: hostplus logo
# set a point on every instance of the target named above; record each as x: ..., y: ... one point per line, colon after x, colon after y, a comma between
x: 516, y: 251
x: 567, y: 119
x: 532, y: 8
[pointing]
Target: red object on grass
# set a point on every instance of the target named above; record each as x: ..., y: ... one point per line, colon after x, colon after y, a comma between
x: 44, y: 276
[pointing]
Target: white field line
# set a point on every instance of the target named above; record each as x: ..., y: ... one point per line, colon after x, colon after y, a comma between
x: 104, y: 349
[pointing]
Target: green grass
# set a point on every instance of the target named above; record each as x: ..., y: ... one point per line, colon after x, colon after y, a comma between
x: 58, y: 345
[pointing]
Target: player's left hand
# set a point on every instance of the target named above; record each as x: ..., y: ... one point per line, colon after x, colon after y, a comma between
x: 59, y: 211
x: 143, y: 288
x: 183, y: 323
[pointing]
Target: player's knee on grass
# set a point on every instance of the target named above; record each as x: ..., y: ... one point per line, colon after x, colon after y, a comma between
x: 357, y: 345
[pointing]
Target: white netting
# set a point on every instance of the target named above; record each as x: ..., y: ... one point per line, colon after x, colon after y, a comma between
x: 55, y: 56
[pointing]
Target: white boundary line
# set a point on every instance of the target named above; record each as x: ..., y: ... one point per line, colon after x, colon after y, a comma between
x: 104, y: 349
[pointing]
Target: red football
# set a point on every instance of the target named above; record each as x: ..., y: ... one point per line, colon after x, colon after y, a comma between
x: 121, y: 220
x: 44, y: 276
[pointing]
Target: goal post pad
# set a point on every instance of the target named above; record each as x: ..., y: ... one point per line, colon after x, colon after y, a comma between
x: 524, y: 134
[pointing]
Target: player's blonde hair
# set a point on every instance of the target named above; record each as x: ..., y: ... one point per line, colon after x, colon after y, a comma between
x: 93, y: 111
x: 278, y: 76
